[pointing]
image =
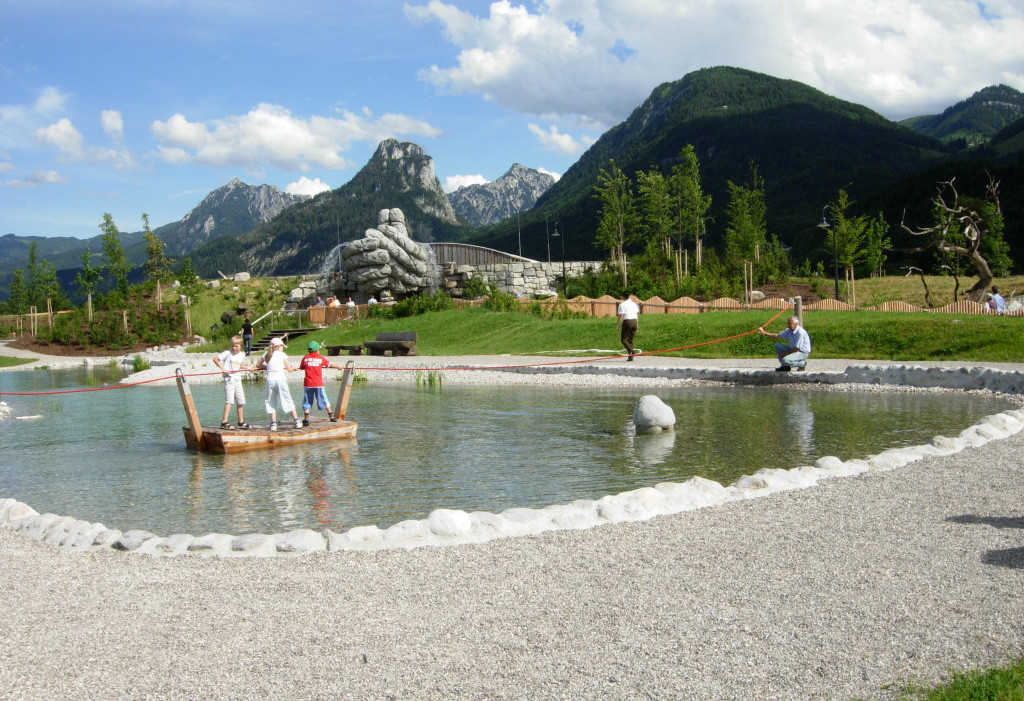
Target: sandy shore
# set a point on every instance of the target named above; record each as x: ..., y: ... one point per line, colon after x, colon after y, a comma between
x: 848, y: 589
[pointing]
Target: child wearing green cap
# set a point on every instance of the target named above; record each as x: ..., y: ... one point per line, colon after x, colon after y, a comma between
x: 313, y: 384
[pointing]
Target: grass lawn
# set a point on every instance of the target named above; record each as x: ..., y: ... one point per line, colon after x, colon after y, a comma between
x: 852, y: 335
x: 6, y: 362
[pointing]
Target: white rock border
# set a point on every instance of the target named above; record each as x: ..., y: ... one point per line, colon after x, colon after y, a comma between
x: 452, y: 527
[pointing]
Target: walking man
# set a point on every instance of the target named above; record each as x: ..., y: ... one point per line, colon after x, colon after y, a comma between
x: 629, y: 320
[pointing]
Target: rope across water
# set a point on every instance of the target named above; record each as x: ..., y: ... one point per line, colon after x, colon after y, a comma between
x: 574, y: 361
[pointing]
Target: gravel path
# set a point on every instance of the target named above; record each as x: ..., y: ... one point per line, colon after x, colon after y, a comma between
x: 846, y: 590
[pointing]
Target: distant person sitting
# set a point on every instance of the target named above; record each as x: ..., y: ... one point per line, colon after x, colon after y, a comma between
x: 371, y: 301
x: 996, y: 303
x: 333, y: 302
x: 794, y: 345
x: 319, y: 302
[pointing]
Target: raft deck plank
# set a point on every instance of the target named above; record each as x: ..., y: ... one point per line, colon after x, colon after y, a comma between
x: 214, y: 439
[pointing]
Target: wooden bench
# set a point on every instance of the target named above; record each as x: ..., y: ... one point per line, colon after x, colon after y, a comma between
x: 403, y: 343
x: 357, y: 349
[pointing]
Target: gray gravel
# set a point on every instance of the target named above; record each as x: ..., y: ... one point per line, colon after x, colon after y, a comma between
x: 850, y: 589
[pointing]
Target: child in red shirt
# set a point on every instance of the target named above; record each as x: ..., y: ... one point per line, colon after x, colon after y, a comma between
x: 313, y: 385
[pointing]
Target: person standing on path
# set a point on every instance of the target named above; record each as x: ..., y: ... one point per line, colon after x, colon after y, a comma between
x: 628, y: 318
x: 230, y: 363
x: 313, y: 384
x: 247, y: 335
x: 794, y: 345
x: 275, y: 362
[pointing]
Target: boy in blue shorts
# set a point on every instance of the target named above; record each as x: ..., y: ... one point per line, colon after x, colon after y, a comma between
x: 313, y: 385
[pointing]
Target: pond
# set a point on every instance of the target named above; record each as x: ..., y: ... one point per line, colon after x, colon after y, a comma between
x: 118, y: 456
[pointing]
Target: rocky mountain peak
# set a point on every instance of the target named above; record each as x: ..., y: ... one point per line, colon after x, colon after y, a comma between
x: 229, y: 210
x: 415, y: 173
x: 515, y: 191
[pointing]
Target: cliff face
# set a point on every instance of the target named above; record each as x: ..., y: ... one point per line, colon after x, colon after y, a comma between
x: 230, y: 210
x: 515, y: 191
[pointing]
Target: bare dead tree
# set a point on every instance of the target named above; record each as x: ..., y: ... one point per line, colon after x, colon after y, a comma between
x: 927, y: 295
x: 959, y: 218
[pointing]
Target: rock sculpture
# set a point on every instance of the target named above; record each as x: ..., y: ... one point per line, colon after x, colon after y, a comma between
x: 387, y: 259
x: 651, y: 415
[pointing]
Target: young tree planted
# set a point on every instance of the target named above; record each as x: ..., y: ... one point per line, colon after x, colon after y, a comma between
x: 617, y: 218
x: 117, y: 263
x: 87, y: 278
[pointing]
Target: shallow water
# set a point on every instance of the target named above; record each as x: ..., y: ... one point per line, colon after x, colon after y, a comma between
x: 118, y: 456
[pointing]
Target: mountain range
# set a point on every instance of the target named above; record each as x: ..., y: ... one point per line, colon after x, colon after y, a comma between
x: 806, y: 145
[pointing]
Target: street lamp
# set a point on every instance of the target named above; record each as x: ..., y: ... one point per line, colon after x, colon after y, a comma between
x: 565, y: 282
x: 547, y: 235
x: 835, y: 244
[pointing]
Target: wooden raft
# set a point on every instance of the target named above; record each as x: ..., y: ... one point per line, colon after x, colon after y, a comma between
x: 213, y: 439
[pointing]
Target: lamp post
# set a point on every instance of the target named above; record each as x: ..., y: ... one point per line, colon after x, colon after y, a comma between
x: 565, y: 283
x: 835, y: 245
x: 547, y: 235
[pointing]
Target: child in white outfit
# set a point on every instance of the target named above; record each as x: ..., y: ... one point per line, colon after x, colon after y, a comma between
x: 230, y: 363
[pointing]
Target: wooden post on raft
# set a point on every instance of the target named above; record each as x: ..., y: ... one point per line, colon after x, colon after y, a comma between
x: 343, y: 394
x: 190, y: 407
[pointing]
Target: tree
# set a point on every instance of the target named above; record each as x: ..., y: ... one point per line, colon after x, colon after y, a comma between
x: 87, y: 278
x: 876, y: 243
x: 617, y: 216
x: 961, y: 227
x: 746, y: 231
x: 689, y: 203
x: 17, y: 300
x: 157, y: 266
x: 655, y: 210
x: 190, y: 283
x: 846, y: 237
x: 117, y: 264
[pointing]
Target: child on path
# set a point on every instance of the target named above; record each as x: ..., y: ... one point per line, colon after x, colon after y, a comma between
x: 313, y: 384
x: 275, y: 362
x: 230, y: 363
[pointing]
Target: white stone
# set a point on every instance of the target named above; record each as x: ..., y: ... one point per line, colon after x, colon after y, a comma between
x: 650, y: 414
x: 134, y: 540
x: 258, y: 544
x: 241, y: 277
x: 302, y: 540
x: 449, y: 523
x: 211, y: 544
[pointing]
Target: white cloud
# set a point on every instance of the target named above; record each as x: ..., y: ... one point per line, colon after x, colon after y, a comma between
x: 42, y: 177
x: 554, y: 140
x: 597, y: 59
x: 19, y: 121
x: 305, y: 186
x: 553, y: 174
x: 272, y: 135
x: 454, y: 182
x: 63, y: 136
x: 113, y: 125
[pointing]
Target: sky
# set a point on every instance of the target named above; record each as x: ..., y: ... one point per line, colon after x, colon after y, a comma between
x: 145, y: 106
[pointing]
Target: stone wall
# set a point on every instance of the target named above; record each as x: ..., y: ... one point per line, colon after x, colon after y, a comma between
x: 527, y: 278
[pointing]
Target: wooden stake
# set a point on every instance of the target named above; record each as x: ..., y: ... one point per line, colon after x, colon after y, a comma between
x: 190, y: 408
x: 346, y: 390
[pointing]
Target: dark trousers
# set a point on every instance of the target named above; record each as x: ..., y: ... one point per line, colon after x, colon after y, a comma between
x: 628, y: 333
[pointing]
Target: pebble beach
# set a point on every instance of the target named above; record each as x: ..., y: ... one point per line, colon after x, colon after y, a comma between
x: 853, y: 588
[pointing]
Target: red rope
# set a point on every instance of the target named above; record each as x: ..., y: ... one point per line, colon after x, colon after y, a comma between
x: 574, y: 361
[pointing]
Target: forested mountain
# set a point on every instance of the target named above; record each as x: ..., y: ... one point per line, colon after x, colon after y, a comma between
x: 299, y: 239
x: 974, y: 121
x: 805, y: 144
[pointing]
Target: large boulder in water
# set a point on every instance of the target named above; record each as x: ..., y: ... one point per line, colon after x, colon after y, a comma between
x: 651, y: 415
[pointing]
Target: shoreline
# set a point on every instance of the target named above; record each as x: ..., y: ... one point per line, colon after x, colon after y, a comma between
x: 843, y: 589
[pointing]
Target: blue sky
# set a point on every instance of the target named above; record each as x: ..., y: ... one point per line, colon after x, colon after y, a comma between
x: 132, y: 106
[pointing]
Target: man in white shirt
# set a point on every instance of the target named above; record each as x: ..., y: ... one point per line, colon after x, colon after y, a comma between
x: 794, y: 345
x: 629, y: 320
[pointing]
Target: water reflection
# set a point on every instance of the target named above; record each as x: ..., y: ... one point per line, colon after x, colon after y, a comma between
x: 118, y: 457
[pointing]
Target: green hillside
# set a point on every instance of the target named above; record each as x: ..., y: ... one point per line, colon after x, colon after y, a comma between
x: 805, y: 143
x: 974, y: 121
